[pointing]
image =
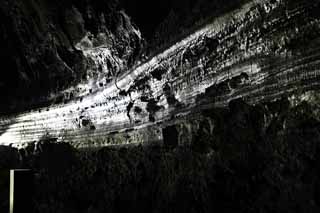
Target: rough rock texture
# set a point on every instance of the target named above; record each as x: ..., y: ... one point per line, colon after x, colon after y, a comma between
x: 235, y: 104
x: 55, y: 51
x: 259, y: 52
x: 240, y: 158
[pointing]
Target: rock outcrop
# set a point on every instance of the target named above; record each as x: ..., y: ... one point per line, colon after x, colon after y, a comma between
x: 248, y: 158
x: 259, y: 52
x: 54, y: 51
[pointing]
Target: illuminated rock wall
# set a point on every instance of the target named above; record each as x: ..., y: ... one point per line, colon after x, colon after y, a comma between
x: 259, y: 52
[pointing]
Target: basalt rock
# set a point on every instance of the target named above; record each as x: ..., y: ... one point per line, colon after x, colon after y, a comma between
x: 50, y: 49
x: 260, y: 51
x: 233, y: 163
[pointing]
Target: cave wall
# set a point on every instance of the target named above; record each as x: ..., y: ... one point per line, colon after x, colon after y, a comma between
x: 48, y: 50
x: 247, y: 158
x: 259, y: 52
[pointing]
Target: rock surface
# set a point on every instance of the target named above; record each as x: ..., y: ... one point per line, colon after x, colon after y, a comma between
x: 57, y: 51
x: 259, y: 52
x: 247, y: 158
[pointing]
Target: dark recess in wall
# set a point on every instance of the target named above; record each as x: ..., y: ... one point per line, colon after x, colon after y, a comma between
x: 164, y: 22
x: 147, y: 14
x: 170, y: 136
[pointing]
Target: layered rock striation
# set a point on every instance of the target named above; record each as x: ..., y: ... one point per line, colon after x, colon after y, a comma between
x: 260, y: 52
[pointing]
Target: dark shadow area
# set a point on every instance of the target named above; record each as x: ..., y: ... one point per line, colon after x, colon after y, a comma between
x: 22, y: 191
x: 147, y: 14
x: 170, y: 137
x: 164, y: 23
x: 9, y: 159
